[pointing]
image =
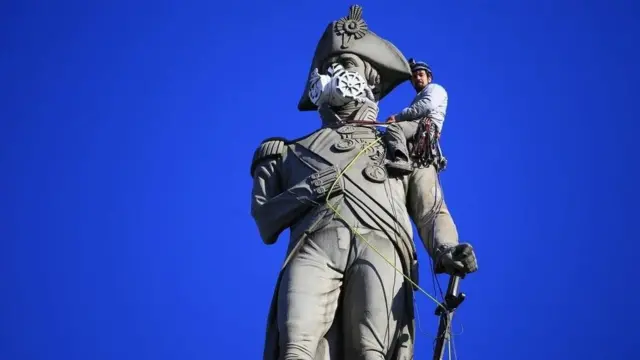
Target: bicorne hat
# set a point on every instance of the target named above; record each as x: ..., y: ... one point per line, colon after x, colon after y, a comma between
x: 351, y: 34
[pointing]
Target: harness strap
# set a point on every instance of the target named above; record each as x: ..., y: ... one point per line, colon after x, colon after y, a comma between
x: 426, y: 150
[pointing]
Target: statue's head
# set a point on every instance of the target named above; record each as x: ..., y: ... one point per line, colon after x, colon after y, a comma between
x: 349, y: 42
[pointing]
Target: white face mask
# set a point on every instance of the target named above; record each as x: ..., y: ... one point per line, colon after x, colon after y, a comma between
x: 339, y: 87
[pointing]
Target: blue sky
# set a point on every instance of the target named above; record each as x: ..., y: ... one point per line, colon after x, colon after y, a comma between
x: 127, y: 130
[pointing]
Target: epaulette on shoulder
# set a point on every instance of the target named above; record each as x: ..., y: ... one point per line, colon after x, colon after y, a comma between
x: 269, y: 148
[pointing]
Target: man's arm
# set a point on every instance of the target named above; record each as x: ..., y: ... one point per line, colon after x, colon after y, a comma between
x: 431, y: 102
x: 274, y: 209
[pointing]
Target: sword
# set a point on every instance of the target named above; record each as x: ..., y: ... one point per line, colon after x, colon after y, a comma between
x: 451, y: 302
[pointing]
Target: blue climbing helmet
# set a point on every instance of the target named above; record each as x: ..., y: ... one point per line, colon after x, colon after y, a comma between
x: 420, y: 65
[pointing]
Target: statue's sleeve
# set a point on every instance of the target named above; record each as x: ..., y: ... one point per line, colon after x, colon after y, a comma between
x: 274, y: 208
x: 427, y: 208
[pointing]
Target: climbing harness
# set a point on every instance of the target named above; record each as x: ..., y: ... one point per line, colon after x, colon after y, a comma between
x: 427, y: 150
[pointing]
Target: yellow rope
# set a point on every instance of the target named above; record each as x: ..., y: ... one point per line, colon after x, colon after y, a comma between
x: 360, y: 235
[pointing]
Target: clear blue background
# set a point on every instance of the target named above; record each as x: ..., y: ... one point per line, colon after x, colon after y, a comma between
x: 127, y: 130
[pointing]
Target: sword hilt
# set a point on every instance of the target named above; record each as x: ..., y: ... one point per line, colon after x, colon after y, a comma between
x: 452, y: 300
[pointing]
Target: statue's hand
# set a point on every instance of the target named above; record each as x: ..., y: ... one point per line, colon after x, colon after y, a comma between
x: 456, y: 260
x: 322, y: 182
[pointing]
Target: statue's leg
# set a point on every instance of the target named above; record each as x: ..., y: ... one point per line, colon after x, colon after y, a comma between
x: 374, y: 302
x: 331, y: 345
x: 309, y: 291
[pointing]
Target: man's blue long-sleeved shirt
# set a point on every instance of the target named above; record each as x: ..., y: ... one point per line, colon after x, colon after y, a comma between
x: 429, y: 102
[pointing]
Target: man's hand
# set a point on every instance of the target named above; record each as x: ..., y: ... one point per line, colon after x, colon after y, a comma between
x: 456, y: 260
x: 391, y: 119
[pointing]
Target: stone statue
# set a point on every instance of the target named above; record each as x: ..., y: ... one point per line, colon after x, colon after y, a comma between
x: 346, y: 286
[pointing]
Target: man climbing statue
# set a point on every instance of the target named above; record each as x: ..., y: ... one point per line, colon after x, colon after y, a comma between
x: 346, y: 287
x: 425, y: 116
